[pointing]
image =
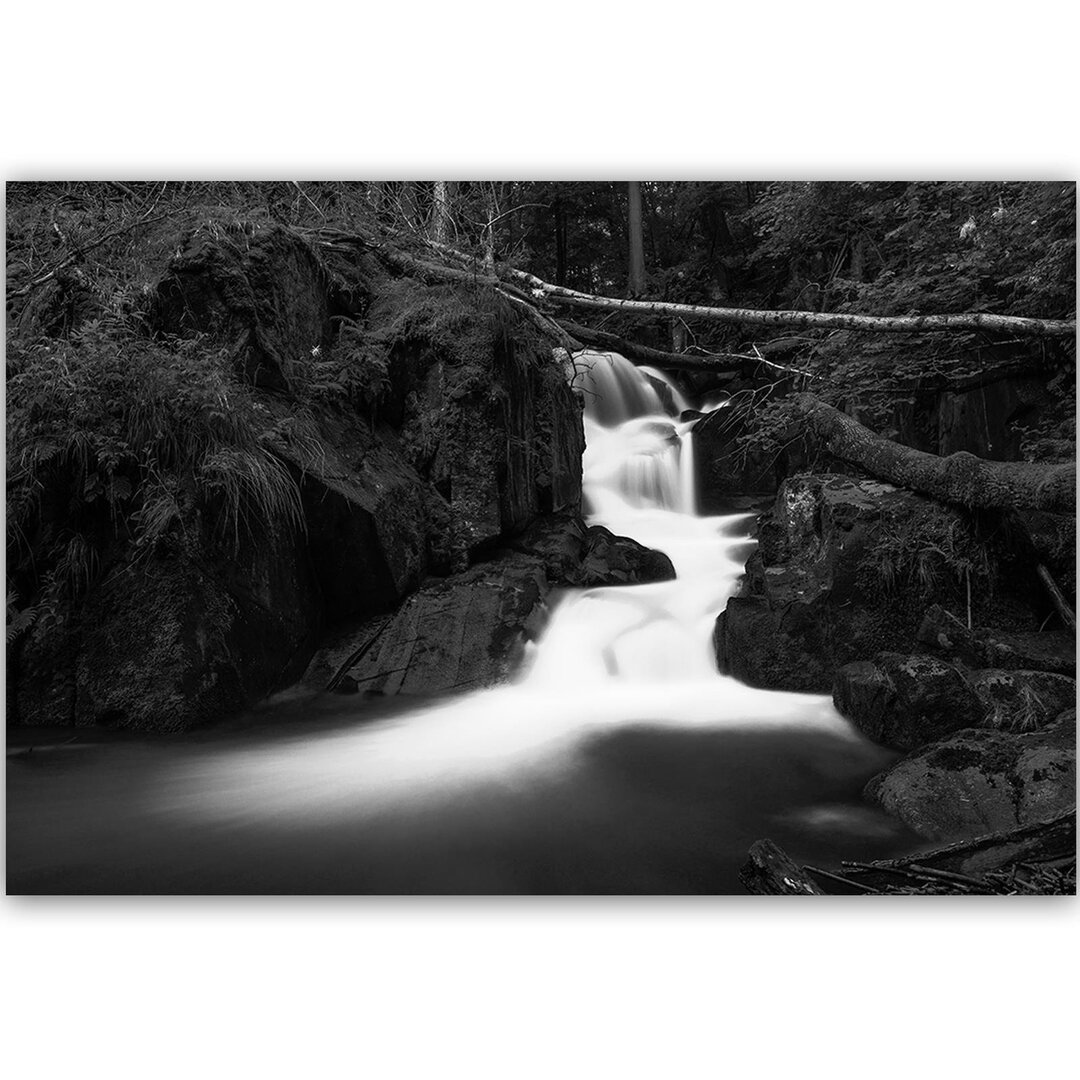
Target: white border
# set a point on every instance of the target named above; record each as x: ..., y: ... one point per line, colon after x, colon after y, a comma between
x: 523, y: 988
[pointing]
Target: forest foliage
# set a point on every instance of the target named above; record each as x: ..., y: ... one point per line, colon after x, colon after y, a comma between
x: 137, y: 432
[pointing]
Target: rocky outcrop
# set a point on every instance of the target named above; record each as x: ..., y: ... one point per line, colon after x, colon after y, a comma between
x: 839, y: 576
x: 806, y: 606
x: 263, y: 294
x: 907, y: 701
x: 459, y: 634
x: 981, y: 781
x: 447, y: 431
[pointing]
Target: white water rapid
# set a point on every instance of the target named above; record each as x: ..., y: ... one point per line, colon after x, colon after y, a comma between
x: 619, y: 761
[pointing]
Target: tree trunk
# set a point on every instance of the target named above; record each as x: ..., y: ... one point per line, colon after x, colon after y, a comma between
x: 636, y: 278
x: 441, y: 219
x: 491, y: 205
x: 900, y: 324
x: 959, y: 478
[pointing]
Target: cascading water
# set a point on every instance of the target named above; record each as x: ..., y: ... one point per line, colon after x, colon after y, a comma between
x: 638, y: 481
x: 620, y: 760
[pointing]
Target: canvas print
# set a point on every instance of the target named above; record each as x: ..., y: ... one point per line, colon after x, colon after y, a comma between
x: 556, y: 537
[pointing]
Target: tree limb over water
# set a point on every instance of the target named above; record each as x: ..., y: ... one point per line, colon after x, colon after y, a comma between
x: 959, y: 478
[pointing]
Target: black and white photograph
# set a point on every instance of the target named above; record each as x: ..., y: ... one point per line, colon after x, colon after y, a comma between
x: 605, y: 614
x: 567, y: 537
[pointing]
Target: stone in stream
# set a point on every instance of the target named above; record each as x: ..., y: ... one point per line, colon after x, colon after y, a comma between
x: 982, y: 781
x: 583, y: 557
x: 817, y: 592
x: 907, y: 701
x: 461, y: 633
x: 468, y: 630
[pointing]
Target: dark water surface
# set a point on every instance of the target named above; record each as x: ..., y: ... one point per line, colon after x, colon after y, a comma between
x: 292, y: 806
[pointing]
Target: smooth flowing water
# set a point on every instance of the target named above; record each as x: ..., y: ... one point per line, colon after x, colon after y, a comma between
x: 620, y: 761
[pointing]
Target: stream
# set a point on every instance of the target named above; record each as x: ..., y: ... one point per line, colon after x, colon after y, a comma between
x: 619, y: 761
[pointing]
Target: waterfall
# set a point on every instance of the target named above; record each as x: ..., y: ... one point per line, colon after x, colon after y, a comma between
x: 638, y: 481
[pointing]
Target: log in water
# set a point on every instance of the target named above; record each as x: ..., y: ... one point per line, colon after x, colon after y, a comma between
x: 620, y: 761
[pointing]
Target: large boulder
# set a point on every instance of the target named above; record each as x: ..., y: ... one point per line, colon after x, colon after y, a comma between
x: 576, y: 556
x: 839, y: 576
x: 461, y: 633
x: 907, y: 701
x: 618, y: 560
x: 982, y: 781
x: 468, y: 630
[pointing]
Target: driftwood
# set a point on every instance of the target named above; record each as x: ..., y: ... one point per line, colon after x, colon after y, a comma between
x: 960, y: 866
x: 771, y: 872
x: 959, y: 478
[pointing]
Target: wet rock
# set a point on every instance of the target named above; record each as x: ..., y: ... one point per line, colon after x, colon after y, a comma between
x: 906, y: 701
x: 804, y: 609
x: 459, y: 634
x: 1053, y: 651
x: 617, y: 560
x: 749, y: 646
x: 579, y: 557
x: 817, y: 592
x: 982, y: 781
x: 559, y: 542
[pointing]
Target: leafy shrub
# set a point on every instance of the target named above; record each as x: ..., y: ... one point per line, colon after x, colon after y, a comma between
x: 113, y: 435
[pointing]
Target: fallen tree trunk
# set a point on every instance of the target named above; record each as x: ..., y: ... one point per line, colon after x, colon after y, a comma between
x: 897, y: 324
x: 959, y: 478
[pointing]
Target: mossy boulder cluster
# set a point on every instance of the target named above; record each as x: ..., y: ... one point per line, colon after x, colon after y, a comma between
x: 852, y: 591
x: 422, y: 428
